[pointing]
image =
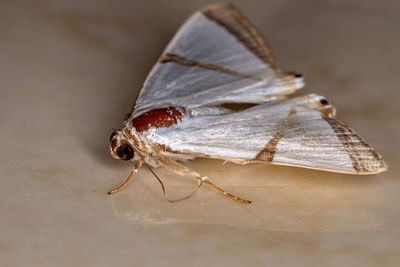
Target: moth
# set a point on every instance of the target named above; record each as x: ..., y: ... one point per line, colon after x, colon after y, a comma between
x: 218, y: 58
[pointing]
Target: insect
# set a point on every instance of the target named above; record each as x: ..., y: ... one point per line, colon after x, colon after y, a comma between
x: 218, y: 57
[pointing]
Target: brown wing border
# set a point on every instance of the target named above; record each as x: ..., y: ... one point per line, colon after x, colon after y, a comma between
x: 229, y: 17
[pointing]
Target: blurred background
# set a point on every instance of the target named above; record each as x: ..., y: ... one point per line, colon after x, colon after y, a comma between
x: 69, y: 71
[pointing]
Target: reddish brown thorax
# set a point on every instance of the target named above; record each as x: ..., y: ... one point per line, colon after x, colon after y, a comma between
x: 162, y: 117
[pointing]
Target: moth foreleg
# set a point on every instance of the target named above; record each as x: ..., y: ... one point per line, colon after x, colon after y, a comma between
x: 135, y: 169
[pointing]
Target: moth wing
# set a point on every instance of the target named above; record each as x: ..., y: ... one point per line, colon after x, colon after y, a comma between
x: 298, y: 132
x: 216, y: 57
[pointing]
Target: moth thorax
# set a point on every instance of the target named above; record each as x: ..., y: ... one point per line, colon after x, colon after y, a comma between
x: 157, y: 118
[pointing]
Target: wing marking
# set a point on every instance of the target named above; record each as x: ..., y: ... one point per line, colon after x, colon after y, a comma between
x: 268, y: 153
x: 233, y: 21
x: 168, y: 57
x: 364, y: 158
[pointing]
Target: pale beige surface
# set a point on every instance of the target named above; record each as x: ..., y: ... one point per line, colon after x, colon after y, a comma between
x: 70, y: 69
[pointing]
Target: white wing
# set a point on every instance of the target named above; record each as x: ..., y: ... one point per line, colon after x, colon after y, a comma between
x: 297, y: 132
x: 216, y: 57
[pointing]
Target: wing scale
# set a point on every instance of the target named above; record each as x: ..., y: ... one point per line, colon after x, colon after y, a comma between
x: 294, y: 132
x: 216, y: 57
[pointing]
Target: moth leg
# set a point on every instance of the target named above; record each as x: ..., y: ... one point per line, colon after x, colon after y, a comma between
x: 206, y: 181
x: 135, y: 169
x: 165, y: 192
x: 182, y: 170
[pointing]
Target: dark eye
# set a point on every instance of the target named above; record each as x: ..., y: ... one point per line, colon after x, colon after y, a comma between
x: 112, y: 135
x: 125, y: 152
x: 324, y: 102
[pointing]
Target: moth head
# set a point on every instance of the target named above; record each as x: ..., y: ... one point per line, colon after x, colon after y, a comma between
x: 120, y: 148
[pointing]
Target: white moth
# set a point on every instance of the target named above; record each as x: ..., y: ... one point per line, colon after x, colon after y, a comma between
x: 218, y: 57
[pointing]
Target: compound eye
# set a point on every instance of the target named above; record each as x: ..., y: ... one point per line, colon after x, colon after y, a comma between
x: 324, y: 102
x: 125, y: 152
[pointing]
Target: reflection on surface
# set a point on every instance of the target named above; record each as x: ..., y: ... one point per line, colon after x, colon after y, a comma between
x: 284, y: 199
